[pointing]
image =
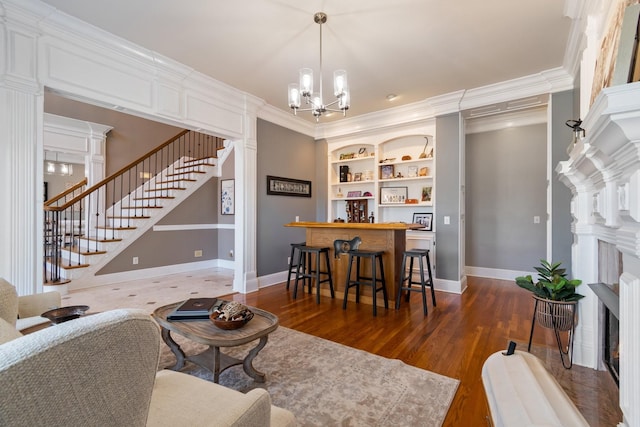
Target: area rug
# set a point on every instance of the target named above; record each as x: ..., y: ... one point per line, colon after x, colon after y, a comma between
x: 328, y: 384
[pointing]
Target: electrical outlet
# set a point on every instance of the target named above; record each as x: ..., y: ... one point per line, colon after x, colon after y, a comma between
x: 135, y: 260
x: 288, y: 260
x: 198, y: 253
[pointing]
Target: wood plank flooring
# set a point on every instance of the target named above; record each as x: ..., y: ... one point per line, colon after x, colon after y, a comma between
x: 453, y: 340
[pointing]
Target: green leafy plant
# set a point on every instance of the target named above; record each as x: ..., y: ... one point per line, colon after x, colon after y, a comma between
x: 552, y: 283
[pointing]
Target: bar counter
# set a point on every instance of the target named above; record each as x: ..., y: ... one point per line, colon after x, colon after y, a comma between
x: 387, y: 237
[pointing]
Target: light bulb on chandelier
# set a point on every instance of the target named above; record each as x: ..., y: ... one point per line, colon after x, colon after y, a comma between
x: 304, y: 89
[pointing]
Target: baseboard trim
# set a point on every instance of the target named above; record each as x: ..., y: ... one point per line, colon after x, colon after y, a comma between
x: 495, y: 273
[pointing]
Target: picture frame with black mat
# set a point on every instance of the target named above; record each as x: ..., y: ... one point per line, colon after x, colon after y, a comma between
x: 425, y: 219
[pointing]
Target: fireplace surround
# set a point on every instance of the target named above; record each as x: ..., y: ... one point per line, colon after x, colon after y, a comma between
x: 603, y: 173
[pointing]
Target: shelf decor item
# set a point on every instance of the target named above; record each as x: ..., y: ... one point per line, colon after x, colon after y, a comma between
x: 425, y: 154
x: 386, y: 171
x: 426, y: 193
x: 424, y: 219
x: 393, y: 195
x: 412, y: 171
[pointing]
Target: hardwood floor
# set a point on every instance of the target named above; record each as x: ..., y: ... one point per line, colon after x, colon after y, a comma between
x: 453, y: 340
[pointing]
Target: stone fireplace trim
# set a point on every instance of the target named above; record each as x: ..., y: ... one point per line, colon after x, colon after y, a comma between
x: 603, y: 173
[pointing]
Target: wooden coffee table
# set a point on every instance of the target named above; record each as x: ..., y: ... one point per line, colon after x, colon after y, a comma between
x: 205, y: 332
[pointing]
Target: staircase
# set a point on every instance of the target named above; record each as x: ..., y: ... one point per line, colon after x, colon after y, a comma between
x: 85, y: 228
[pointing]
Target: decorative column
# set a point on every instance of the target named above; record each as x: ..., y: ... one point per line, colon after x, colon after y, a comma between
x: 21, y: 192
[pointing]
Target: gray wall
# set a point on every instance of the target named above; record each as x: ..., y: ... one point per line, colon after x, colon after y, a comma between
x: 448, y: 197
x: 505, y: 188
x: 563, y: 107
x: 130, y: 138
x: 288, y: 154
x: 161, y: 248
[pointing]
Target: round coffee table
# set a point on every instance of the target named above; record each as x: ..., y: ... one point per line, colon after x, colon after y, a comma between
x: 205, y: 332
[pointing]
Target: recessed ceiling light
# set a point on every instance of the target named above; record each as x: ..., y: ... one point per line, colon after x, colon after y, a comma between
x: 391, y: 96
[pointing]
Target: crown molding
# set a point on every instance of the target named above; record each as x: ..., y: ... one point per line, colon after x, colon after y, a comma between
x: 505, y: 120
x: 287, y: 119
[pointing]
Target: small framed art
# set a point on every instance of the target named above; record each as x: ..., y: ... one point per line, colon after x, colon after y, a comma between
x: 393, y: 195
x: 426, y: 194
x: 424, y: 219
x: 227, y: 197
x: 386, y: 171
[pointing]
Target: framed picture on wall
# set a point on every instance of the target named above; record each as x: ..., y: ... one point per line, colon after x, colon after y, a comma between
x: 278, y: 186
x: 227, y: 197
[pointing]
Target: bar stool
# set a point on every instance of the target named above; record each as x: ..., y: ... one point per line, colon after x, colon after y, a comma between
x: 306, y: 270
x: 420, y: 255
x: 293, y: 261
x: 372, y: 281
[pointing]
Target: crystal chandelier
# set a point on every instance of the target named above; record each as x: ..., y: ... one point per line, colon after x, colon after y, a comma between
x: 314, y: 99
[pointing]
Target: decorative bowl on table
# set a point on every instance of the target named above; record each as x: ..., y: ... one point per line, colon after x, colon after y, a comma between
x: 63, y: 314
x: 231, y: 315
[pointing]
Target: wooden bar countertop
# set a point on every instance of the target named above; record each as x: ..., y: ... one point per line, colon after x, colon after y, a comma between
x: 388, y: 237
x: 357, y: 225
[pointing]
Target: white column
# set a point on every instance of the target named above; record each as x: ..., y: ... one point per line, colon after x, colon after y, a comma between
x: 21, y: 188
x: 246, y: 163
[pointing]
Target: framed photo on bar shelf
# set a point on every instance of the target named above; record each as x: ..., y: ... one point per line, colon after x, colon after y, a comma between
x: 393, y: 195
x: 424, y: 219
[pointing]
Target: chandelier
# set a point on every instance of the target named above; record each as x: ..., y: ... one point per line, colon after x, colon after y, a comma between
x: 313, y: 100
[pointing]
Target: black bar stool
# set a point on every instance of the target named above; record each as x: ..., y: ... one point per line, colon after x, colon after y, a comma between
x: 306, y: 270
x: 293, y: 261
x: 372, y: 281
x: 420, y: 255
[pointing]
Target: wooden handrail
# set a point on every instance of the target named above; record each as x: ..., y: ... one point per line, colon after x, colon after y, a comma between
x: 65, y: 192
x: 111, y: 177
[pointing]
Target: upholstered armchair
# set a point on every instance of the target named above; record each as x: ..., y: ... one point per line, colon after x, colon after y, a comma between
x: 24, y: 311
x: 101, y: 370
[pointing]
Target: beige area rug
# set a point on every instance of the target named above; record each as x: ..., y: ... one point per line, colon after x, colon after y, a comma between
x: 328, y: 384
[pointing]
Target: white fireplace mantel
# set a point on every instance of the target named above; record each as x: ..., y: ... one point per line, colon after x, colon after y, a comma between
x: 603, y: 173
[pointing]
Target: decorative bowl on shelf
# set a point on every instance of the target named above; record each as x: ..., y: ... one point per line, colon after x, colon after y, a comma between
x: 63, y: 314
x: 231, y: 315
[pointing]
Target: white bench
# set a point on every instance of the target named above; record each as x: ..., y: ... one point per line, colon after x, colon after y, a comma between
x: 522, y: 393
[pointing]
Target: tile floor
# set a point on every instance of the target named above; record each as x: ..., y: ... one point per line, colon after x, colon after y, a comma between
x: 148, y: 294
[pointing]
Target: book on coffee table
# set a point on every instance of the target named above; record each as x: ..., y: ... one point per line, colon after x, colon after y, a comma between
x: 194, y: 309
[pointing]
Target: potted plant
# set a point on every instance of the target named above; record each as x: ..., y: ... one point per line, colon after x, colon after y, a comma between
x: 552, y: 283
x: 555, y: 307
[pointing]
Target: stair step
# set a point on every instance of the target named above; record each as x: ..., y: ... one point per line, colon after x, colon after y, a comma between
x: 130, y: 217
x: 184, y: 173
x: 141, y: 207
x: 173, y: 181
x: 78, y: 251
x: 201, y: 159
x: 102, y: 227
x: 101, y: 240
x: 164, y: 189
x: 73, y: 267
x: 153, y: 197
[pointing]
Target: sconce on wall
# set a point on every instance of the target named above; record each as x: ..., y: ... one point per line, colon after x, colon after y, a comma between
x: 578, y: 131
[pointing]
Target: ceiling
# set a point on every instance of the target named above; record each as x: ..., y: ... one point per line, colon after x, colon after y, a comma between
x: 415, y: 49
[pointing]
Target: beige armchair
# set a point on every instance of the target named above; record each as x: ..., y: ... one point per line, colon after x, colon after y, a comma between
x: 101, y: 370
x: 24, y: 311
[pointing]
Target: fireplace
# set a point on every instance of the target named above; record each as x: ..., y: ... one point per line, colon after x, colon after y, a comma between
x: 612, y: 345
x: 610, y: 267
x: 603, y: 173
